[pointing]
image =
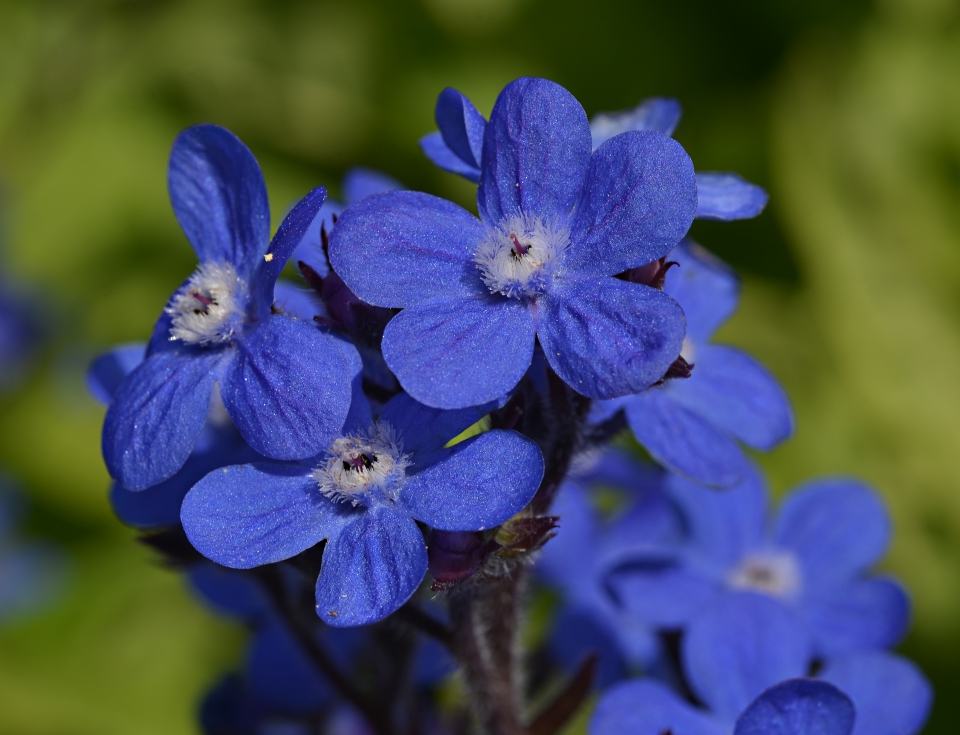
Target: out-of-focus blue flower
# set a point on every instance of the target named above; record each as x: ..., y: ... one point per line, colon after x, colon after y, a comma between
x: 358, y: 183
x: 284, y: 383
x: 457, y: 147
x: 31, y: 572
x: 586, y: 547
x: 813, y: 558
x: 743, y: 658
x: 362, y: 496
x: 219, y: 445
x: 693, y: 425
x: 20, y: 334
x: 557, y: 222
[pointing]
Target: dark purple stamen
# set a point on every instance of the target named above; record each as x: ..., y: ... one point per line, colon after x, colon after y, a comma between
x: 519, y: 249
x: 202, y: 299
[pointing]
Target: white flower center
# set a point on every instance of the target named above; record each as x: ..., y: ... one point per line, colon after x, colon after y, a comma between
x: 205, y: 311
x: 360, y: 465
x: 517, y: 257
x: 775, y: 573
x: 688, y: 350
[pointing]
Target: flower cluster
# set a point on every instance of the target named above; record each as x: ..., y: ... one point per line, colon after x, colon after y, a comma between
x: 390, y: 451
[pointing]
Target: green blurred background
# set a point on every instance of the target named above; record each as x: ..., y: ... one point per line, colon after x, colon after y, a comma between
x: 848, y: 111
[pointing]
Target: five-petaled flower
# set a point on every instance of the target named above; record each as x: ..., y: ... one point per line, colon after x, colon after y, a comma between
x: 284, y: 383
x: 557, y: 222
x: 363, y: 495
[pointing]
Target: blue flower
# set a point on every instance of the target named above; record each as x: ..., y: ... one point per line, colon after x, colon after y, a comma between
x: 31, y: 572
x: 458, y: 147
x: 218, y: 445
x: 285, y: 384
x: 20, y: 334
x: 362, y: 496
x: 577, y: 559
x: 557, y: 222
x: 358, y: 183
x: 744, y: 660
x: 812, y: 558
x: 693, y: 425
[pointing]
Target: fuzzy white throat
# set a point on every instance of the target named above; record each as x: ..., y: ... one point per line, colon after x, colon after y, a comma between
x: 207, y: 310
x: 359, y: 466
x: 517, y: 257
x: 775, y: 573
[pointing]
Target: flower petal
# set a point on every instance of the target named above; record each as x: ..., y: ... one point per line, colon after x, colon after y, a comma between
x: 706, y: 287
x: 660, y: 114
x: 726, y: 197
x: 837, y: 527
x: 682, y: 441
x: 434, y: 148
x: 219, y: 197
x: 536, y: 150
x: 461, y: 126
x: 478, y: 484
x: 157, y: 415
x: 737, y: 394
x: 288, y: 389
x: 891, y: 694
x: 607, y: 338
x: 454, y: 353
x: 310, y: 249
x: 423, y: 429
x: 289, y: 235
x: 360, y: 183
x: 799, y: 707
x: 739, y: 646
x: 253, y: 514
x: 370, y: 568
x: 108, y: 371
x: 637, y: 203
x: 866, y: 614
x: 647, y: 707
x: 402, y: 248
x: 725, y: 525
x: 662, y: 594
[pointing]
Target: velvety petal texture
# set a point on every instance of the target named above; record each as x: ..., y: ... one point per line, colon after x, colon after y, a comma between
x: 289, y: 235
x: 108, y: 371
x: 681, y: 440
x: 799, y: 707
x: 479, y: 484
x: 401, y: 248
x: 461, y: 126
x: 288, y: 389
x: 660, y: 114
x: 219, y: 197
x: 606, y: 337
x: 706, y: 287
x: 436, y: 149
x: 370, y: 568
x: 454, y: 353
x: 724, y: 196
x: 536, y: 151
x: 157, y: 415
x: 638, y: 201
x: 426, y: 430
x: 248, y: 515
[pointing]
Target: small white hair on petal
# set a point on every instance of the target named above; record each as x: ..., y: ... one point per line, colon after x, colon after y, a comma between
x: 206, y: 310
x: 358, y: 465
x: 517, y: 257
